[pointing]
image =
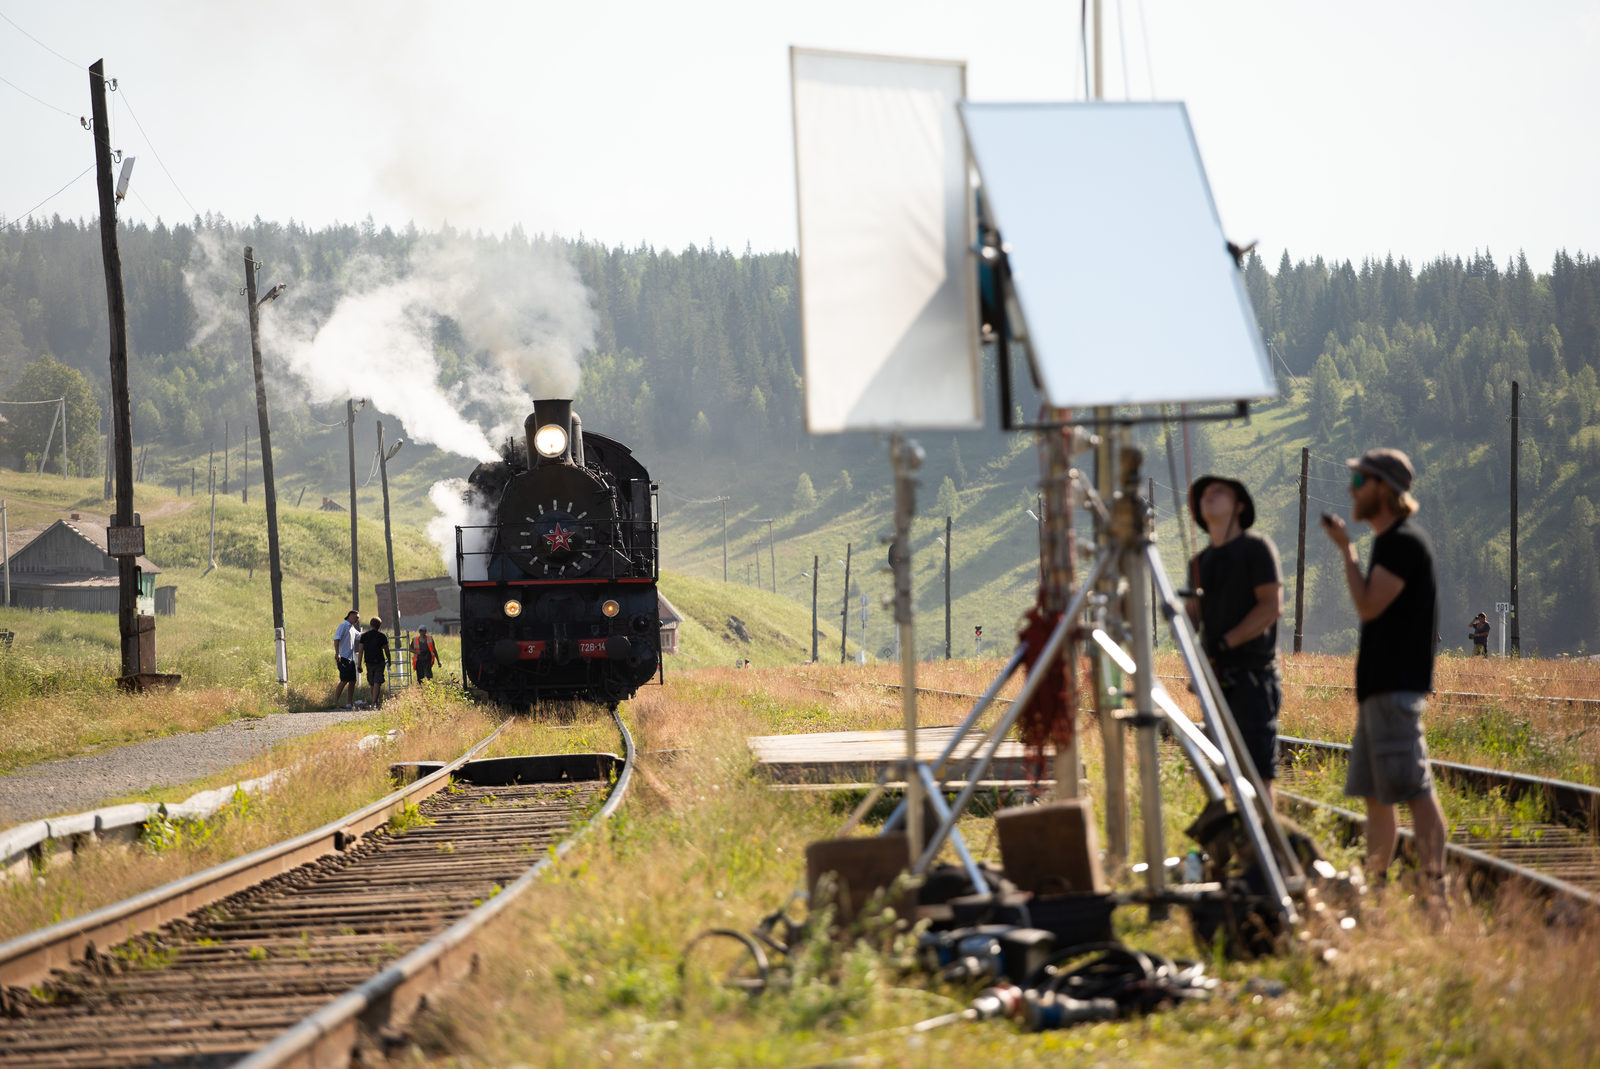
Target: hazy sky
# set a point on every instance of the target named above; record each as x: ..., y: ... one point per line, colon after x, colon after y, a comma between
x: 1349, y: 129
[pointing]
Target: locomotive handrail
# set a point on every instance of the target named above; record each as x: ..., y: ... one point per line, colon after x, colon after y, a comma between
x: 614, y: 550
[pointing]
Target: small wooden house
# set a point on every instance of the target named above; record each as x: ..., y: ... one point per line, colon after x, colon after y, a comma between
x: 670, y: 619
x: 67, y: 567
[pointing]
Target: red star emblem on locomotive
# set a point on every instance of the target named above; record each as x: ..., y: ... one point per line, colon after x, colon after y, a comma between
x: 558, y: 538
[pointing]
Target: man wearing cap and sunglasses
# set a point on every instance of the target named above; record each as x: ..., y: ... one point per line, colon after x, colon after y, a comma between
x: 1239, y: 587
x: 1397, y: 602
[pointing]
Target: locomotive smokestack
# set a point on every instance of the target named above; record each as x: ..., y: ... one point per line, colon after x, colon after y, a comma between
x: 577, y: 440
x: 549, y: 431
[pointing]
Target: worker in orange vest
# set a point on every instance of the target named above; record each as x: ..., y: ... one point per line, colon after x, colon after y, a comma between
x: 424, y: 655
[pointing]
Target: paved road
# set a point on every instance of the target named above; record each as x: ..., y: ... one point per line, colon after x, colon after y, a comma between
x: 78, y: 784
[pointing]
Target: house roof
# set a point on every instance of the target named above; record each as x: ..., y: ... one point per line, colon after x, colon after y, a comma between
x: 91, y: 532
x: 668, y: 612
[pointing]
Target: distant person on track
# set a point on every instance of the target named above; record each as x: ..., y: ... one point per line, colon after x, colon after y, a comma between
x: 344, y: 656
x: 1478, y: 631
x: 1240, y: 586
x: 375, y: 652
x: 424, y: 655
x: 1398, y: 605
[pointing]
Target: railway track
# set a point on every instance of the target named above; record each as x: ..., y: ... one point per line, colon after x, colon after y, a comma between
x: 1559, y: 857
x: 286, y: 959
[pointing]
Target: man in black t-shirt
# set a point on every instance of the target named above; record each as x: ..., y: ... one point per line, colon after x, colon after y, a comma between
x: 1240, y: 586
x: 1397, y: 602
x: 375, y: 652
x: 1479, y: 633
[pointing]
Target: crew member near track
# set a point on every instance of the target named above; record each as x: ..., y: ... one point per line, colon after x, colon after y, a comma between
x: 1239, y: 583
x: 375, y: 652
x: 1397, y: 602
x: 344, y: 656
x: 1478, y: 631
x: 424, y: 655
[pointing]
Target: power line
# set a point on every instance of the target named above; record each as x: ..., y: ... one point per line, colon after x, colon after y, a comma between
x: 153, y: 151
x: 38, y: 100
x: 17, y: 219
x: 695, y: 501
x: 1328, y: 460
x: 41, y: 44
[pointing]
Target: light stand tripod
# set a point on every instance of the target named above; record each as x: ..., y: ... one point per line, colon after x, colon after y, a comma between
x: 1128, y: 562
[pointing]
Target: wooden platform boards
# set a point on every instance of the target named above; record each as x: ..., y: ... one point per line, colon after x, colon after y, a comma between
x: 848, y: 759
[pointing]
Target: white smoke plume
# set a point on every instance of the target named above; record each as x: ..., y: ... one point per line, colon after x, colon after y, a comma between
x: 458, y: 509
x: 371, y: 334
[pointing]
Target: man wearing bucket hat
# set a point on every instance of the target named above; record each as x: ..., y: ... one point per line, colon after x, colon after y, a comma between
x: 1397, y: 602
x: 1239, y: 583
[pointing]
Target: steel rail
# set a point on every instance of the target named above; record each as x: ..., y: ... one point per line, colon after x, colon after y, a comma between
x: 1570, y: 800
x: 1462, y: 854
x: 1573, y: 802
x: 29, y: 958
x: 329, y: 1036
x: 1480, y: 696
x: 1547, y: 698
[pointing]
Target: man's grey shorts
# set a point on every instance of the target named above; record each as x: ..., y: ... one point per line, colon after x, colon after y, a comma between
x: 1388, y: 757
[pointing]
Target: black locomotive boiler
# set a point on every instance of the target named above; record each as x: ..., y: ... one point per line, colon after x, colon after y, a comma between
x: 558, y: 590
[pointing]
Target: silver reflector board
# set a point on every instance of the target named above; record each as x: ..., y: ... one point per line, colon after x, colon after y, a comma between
x: 1128, y: 293
x: 888, y: 306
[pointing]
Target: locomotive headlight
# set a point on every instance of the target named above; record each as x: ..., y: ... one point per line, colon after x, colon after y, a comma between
x: 610, y: 608
x: 513, y: 608
x: 550, y: 440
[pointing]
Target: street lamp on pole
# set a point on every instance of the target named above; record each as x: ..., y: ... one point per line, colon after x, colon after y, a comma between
x: 351, y: 407
x: 388, y: 537
x: 251, y: 266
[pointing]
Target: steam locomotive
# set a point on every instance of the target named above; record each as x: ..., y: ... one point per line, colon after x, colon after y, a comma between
x: 558, y: 590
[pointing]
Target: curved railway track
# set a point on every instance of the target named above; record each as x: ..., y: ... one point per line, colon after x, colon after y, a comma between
x: 305, y: 952
x: 1559, y: 857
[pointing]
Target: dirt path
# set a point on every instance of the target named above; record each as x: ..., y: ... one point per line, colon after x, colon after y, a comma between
x: 79, y: 784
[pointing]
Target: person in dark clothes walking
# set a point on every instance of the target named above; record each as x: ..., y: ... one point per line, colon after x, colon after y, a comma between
x: 1397, y: 602
x: 1240, y: 586
x: 375, y: 652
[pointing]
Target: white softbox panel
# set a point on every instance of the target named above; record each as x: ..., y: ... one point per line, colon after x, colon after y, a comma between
x: 888, y: 310
x: 1129, y: 294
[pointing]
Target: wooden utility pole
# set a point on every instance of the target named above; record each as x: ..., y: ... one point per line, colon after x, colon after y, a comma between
x: 1300, y: 554
x: 724, y: 501
x: 844, y: 617
x: 121, y: 412
x: 246, y: 449
x: 815, y: 567
x: 758, y: 560
x: 211, y: 486
x: 947, y: 524
x: 355, y: 556
x: 388, y: 537
x: 225, y: 447
x: 275, y: 572
x: 1516, y: 444
x: 110, y: 462
x: 772, y: 557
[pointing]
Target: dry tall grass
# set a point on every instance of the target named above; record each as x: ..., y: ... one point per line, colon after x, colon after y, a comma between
x: 588, y: 969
